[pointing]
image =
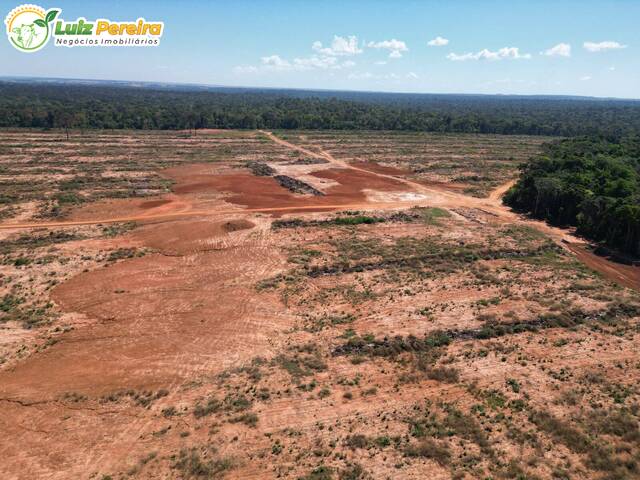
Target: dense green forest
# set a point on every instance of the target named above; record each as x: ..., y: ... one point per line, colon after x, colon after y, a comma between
x: 592, y: 183
x: 122, y: 105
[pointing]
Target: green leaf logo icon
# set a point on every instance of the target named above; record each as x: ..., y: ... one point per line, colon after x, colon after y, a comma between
x: 51, y: 15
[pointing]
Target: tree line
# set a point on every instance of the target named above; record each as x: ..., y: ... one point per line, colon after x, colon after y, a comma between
x: 592, y: 183
x: 105, y: 106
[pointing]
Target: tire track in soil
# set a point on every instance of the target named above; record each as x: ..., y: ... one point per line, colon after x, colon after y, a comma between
x: 255, y: 269
x: 241, y: 260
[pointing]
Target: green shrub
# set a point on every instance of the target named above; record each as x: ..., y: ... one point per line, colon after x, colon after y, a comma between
x: 191, y: 464
x: 356, y: 441
x: 250, y: 419
x: 444, y: 374
x: 428, y: 448
x: 319, y: 473
x: 352, y: 472
x: 212, y: 405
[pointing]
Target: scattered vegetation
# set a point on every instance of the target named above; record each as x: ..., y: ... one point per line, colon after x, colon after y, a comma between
x: 193, y: 464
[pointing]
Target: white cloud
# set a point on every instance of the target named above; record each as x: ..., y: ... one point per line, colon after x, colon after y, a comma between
x: 276, y: 62
x: 346, y: 46
x: 412, y: 75
x: 438, y: 42
x: 586, y: 78
x: 559, y: 50
x: 314, y: 62
x: 511, y: 53
x: 462, y: 58
x: 602, y: 46
x: 242, y: 69
x: 392, y: 44
x: 612, y: 69
x: 381, y: 62
x: 396, y: 47
x: 323, y: 59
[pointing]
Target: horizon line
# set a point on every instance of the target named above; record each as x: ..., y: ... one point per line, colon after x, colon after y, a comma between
x: 213, y: 86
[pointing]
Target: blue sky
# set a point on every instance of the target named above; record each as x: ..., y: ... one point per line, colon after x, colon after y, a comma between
x: 511, y: 47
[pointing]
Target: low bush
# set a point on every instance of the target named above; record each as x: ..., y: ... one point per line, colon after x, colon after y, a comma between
x: 428, y: 448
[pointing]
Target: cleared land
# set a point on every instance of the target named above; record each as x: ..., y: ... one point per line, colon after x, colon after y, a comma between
x: 471, y: 164
x: 403, y: 330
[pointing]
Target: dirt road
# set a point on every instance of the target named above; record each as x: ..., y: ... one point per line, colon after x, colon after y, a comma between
x: 418, y: 187
x: 432, y: 196
x: 199, y: 213
x: 628, y: 276
x: 497, y: 194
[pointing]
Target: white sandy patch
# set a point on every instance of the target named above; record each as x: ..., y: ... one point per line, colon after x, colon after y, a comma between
x: 377, y: 196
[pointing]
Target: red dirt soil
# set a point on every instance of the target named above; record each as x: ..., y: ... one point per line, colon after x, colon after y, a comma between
x: 196, y: 186
x: 127, y: 207
x: 627, y: 275
x: 189, y: 237
x: 377, y: 168
x: 155, y: 322
x: 154, y: 203
x: 449, y: 186
x: 401, y: 172
x: 265, y: 192
x: 172, y: 314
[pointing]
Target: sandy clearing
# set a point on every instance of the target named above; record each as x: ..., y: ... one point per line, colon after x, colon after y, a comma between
x: 264, y: 195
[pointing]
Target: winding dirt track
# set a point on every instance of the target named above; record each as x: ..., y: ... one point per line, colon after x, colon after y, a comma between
x: 164, y: 215
x: 197, y: 213
x: 448, y: 199
x: 433, y: 196
x: 342, y: 164
x: 626, y: 275
x: 496, y: 195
